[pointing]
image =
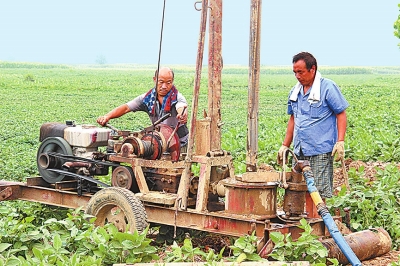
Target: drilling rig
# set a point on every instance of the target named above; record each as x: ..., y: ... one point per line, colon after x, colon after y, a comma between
x: 152, y: 180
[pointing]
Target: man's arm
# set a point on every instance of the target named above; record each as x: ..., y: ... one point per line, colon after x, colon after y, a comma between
x: 180, y: 105
x: 341, y: 125
x: 286, y: 142
x: 116, y: 112
x: 289, y: 132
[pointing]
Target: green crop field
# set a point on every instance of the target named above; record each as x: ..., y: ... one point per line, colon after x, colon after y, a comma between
x: 32, y: 94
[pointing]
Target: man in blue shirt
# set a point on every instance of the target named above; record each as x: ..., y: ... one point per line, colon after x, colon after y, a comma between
x: 317, y: 123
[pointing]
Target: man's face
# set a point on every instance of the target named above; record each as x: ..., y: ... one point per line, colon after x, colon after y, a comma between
x: 303, y: 75
x: 165, y: 82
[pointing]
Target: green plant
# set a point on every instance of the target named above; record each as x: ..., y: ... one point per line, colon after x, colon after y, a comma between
x: 168, y: 234
x: 184, y: 253
x: 245, y: 248
x: 54, y: 241
x: 214, y: 259
x: 29, y: 77
x: 113, y: 246
x: 64, y: 260
x: 396, y: 26
x: 372, y: 203
x: 305, y: 248
x: 187, y: 253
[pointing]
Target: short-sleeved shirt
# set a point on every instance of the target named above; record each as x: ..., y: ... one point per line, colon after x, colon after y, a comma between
x: 315, y: 124
x: 138, y: 105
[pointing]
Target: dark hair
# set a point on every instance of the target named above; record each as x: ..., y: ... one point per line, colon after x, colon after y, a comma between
x: 308, y: 58
x: 172, y: 72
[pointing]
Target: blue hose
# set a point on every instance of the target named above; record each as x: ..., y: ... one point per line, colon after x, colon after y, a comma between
x: 330, y: 223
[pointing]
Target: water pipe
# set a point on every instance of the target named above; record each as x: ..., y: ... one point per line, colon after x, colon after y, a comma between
x: 304, y: 167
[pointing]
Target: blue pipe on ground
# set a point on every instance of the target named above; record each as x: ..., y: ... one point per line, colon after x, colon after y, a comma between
x: 304, y: 166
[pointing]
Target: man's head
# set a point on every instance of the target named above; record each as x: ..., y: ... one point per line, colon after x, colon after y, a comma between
x: 164, y: 81
x: 304, y: 68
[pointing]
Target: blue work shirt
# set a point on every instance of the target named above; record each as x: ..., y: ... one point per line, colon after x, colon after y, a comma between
x: 315, y: 125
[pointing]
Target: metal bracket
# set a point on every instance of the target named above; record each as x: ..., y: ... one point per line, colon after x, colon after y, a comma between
x: 5, y: 193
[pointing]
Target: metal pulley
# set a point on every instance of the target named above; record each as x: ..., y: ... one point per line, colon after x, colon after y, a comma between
x: 152, y: 144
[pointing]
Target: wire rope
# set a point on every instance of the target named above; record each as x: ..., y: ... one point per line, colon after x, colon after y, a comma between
x: 159, y: 57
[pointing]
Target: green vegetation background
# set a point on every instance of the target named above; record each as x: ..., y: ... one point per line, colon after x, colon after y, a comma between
x: 32, y: 94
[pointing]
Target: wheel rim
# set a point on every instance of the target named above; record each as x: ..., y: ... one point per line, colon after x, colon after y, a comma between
x: 122, y: 176
x: 120, y: 207
x: 58, y: 145
x: 112, y: 214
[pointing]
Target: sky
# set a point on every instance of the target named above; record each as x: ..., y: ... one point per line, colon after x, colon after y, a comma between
x: 337, y: 33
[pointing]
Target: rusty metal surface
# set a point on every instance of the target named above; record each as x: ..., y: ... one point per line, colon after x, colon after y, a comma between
x: 213, y: 161
x: 365, y: 244
x: 184, y: 185
x: 147, y: 163
x: 51, y: 129
x: 295, y: 196
x: 53, y: 197
x: 215, y: 72
x: 295, y: 177
x: 293, y: 203
x: 202, y: 137
x: 5, y: 193
x: 250, y: 199
x: 221, y: 222
x: 254, y: 85
x: 166, y: 181
x: 123, y: 176
x: 49, y: 196
x: 66, y: 185
x: 217, y: 222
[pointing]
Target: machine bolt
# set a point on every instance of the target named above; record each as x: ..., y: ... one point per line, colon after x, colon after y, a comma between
x: 215, y: 225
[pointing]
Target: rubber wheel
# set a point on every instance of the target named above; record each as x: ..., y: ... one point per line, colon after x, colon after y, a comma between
x: 52, y: 144
x: 118, y: 206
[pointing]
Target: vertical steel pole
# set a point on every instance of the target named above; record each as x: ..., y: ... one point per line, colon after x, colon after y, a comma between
x: 254, y: 83
x: 214, y: 73
x: 184, y: 184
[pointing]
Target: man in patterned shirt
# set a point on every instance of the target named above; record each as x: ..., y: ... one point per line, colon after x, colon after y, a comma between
x: 162, y: 99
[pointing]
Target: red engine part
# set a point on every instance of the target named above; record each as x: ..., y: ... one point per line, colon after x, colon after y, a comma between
x: 153, y: 144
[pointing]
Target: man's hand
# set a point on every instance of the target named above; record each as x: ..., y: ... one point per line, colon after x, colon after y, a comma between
x: 338, y: 149
x: 182, y: 115
x: 281, y: 154
x: 102, y: 120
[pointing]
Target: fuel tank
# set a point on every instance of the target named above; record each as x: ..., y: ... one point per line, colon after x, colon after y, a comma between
x: 86, y: 136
